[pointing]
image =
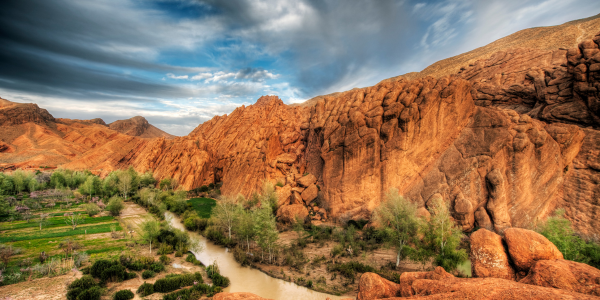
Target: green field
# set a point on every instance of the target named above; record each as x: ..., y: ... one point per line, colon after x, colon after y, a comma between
x: 203, y: 206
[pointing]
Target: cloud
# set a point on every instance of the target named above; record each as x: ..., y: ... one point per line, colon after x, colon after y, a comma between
x: 172, y: 76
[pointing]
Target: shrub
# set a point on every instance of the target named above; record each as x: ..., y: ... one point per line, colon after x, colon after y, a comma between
x: 165, y: 249
x: 73, y: 293
x: 172, y: 283
x: 100, y: 265
x: 164, y: 259
x: 145, y: 289
x: 350, y: 269
x: 213, y: 273
x: 178, y: 253
x: 93, y: 293
x: 146, y: 260
x: 192, y: 259
x: 91, y: 209
x: 123, y: 295
x: 148, y: 274
x: 83, y: 283
x: 157, y: 267
x: 114, y: 273
x: 131, y: 275
x: 115, y: 206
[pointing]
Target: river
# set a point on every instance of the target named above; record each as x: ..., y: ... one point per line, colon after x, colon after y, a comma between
x: 244, y: 279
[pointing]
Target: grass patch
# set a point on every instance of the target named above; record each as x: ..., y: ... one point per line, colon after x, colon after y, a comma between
x: 60, y: 233
x: 203, y: 206
x: 53, y: 222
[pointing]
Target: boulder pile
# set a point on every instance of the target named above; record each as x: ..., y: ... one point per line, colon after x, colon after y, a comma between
x: 522, y: 265
x: 296, y: 199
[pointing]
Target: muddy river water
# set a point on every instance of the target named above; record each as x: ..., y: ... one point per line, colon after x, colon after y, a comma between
x: 244, y: 279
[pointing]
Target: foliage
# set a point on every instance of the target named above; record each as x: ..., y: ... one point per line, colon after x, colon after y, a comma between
x: 91, y: 209
x: 212, y: 272
x: 7, y: 252
x: 225, y: 214
x: 398, y: 216
x: 115, y: 206
x: 147, y: 274
x: 191, y: 258
x: 265, y: 228
x: 150, y: 231
x: 442, y: 238
x: 123, y: 295
x: 169, y: 284
x: 145, y: 289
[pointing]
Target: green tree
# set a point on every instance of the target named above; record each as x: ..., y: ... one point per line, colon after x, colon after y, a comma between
x: 147, y: 180
x: 125, y: 183
x: 225, y: 213
x: 443, y: 237
x: 399, y: 218
x: 73, y: 219
x: 115, y: 206
x: 91, y: 209
x: 269, y: 196
x: 244, y: 227
x: 150, y: 231
x: 166, y: 184
x: 265, y: 227
x: 57, y: 179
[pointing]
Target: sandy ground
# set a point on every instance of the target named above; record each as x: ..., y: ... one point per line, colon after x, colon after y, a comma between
x: 40, y: 289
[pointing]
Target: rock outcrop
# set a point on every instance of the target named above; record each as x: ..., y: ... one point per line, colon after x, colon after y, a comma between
x: 488, y: 256
x: 526, y: 247
x: 373, y: 286
x: 408, y: 278
x: 565, y: 275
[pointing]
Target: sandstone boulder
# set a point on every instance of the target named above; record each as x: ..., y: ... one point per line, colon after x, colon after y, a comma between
x: 289, y: 213
x: 307, y: 180
x: 296, y: 199
x: 488, y: 256
x: 487, y: 288
x: 407, y: 279
x: 372, y: 286
x: 238, y: 296
x: 283, y: 195
x: 310, y: 194
x: 565, y: 275
x: 526, y: 247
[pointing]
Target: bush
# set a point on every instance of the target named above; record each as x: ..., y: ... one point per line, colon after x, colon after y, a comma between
x: 191, y: 258
x: 165, y: 249
x: 100, y: 265
x: 115, y: 206
x: 123, y: 295
x: 91, y: 209
x: 164, y: 259
x: 172, y: 283
x: 148, y: 274
x: 145, y: 289
x: 218, y: 280
x: 157, y: 267
x: 83, y: 283
x: 73, y: 293
x: 116, y: 273
x: 131, y: 275
x: 93, y: 293
x: 350, y: 269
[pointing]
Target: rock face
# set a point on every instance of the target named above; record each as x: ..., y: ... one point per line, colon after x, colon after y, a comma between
x: 526, y: 247
x: 565, y: 275
x: 373, y: 286
x: 488, y: 256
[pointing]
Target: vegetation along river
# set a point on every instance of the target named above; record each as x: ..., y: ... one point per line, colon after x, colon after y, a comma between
x: 244, y: 279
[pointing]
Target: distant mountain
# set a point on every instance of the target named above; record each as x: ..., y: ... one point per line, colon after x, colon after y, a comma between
x: 138, y: 126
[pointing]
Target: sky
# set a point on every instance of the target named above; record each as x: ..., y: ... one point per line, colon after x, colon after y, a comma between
x: 180, y: 62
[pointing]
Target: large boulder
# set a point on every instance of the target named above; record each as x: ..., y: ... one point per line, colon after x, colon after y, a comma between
x: 486, y: 288
x: 283, y: 195
x: 565, y: 275
x: 488, y: 256
x: 238, y: 296
x: 372, y: 286
x: 307, y: 180
x: 407, y: 279
x: 310, y: 194
x: 289, y: 213
x: 526, y: 247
